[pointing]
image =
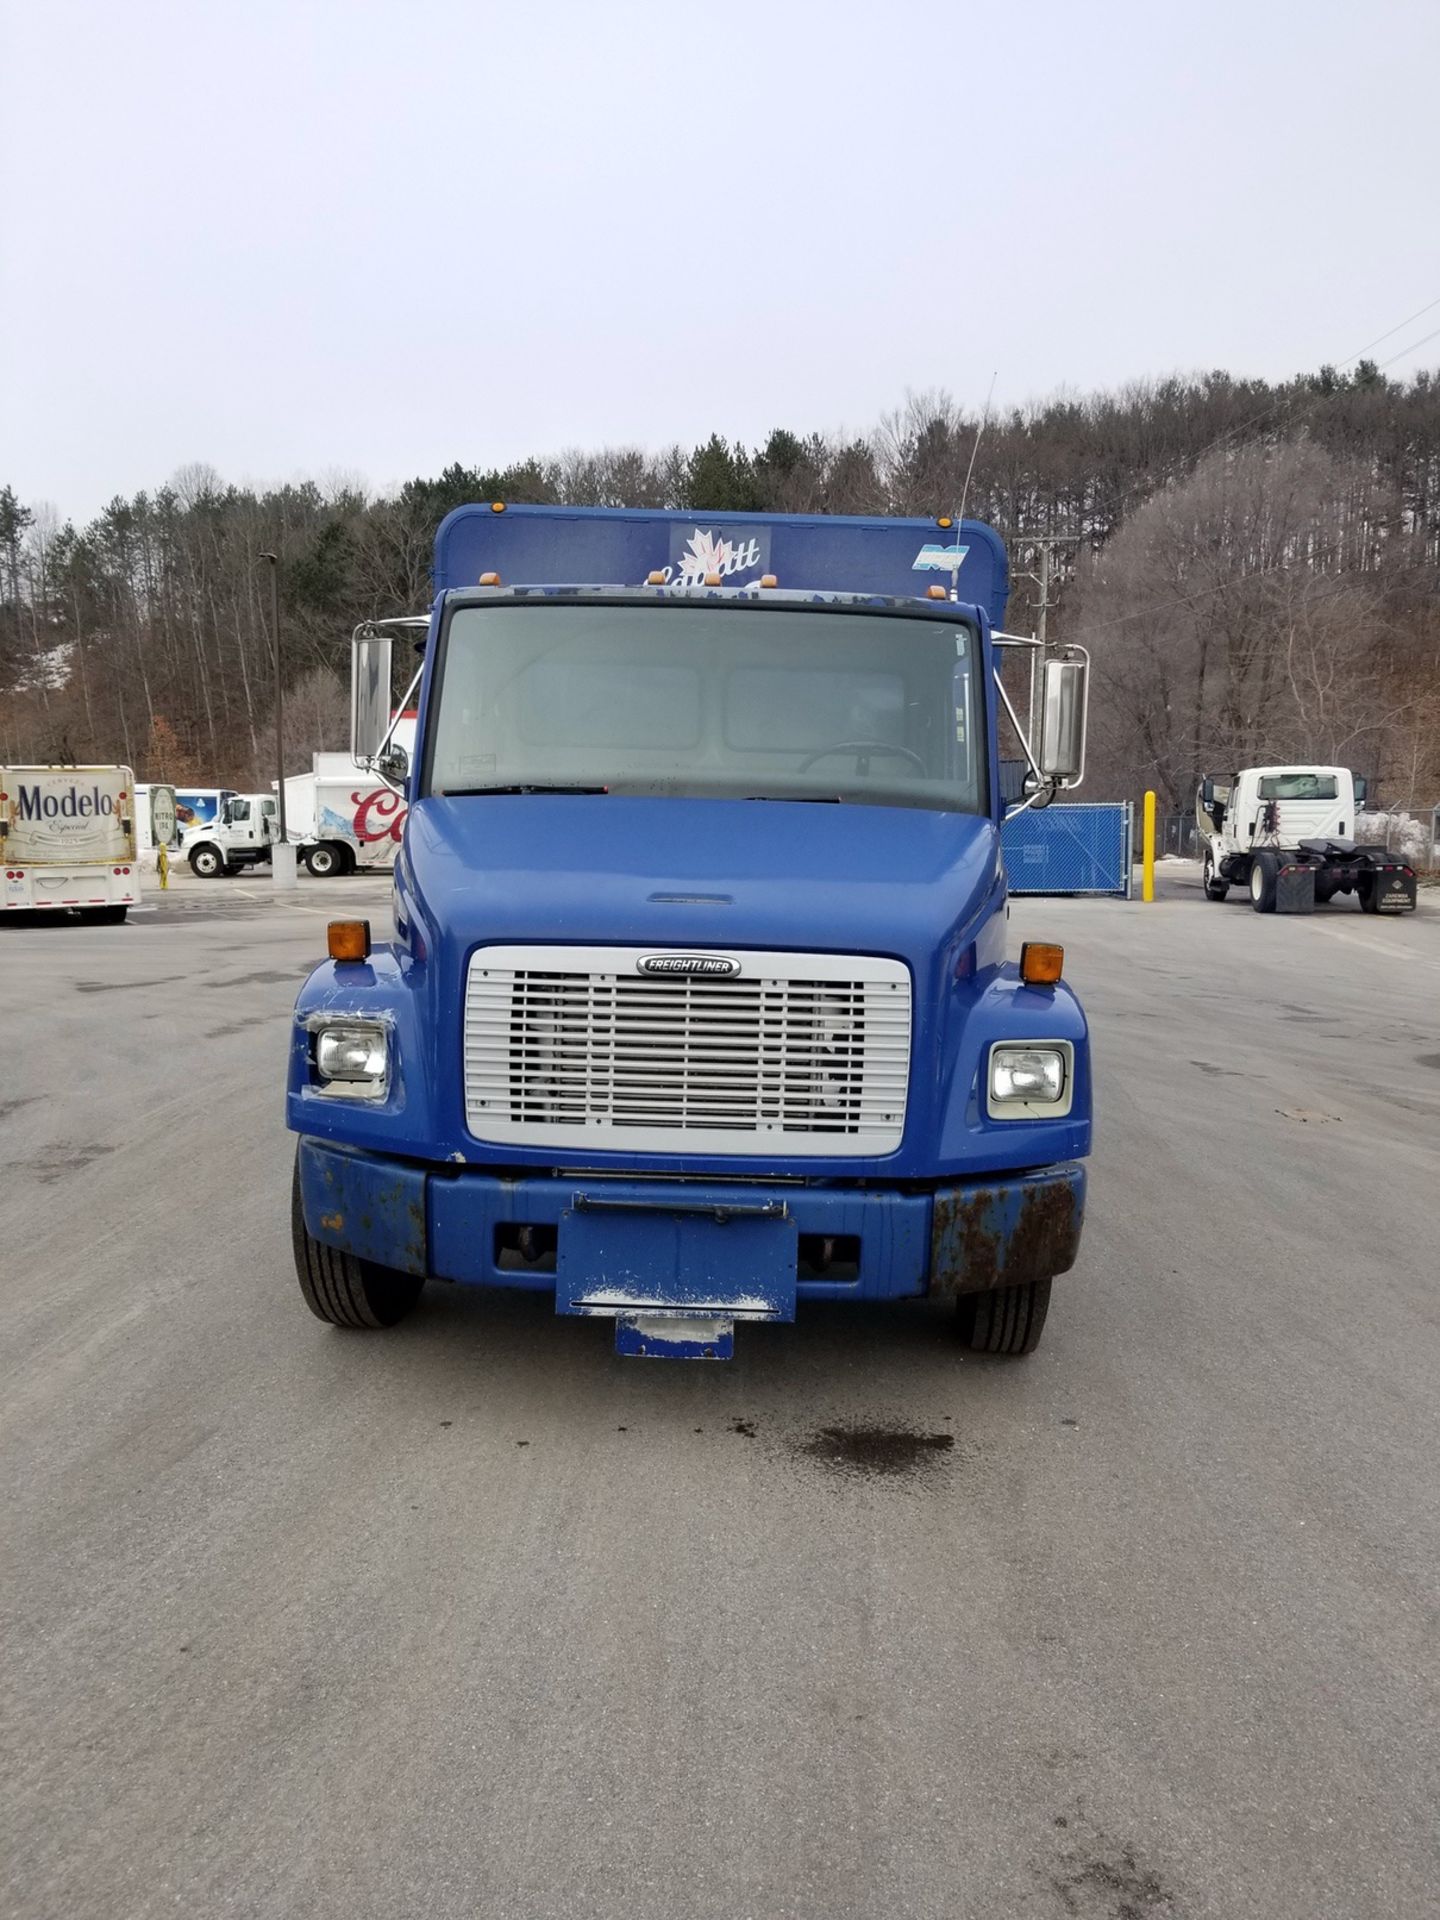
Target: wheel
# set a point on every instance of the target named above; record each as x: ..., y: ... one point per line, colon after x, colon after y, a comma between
x: 1369, y: 893
x: 1008, y: 1321
x: 103, y: 916
x: 325, y: 860
x: 1264, y: 872
x: 206, y: 862
x: 342, y: 1290
x: 1324, y: 894
x: 1215, y: 888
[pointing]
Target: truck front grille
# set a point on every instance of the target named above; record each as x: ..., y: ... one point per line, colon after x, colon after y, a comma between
x: 800, y: 1054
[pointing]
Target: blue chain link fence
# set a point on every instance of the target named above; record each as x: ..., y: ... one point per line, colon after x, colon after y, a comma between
x: 1070, y: 849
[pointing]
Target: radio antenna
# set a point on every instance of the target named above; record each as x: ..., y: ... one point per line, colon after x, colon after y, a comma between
x: 965, y: 490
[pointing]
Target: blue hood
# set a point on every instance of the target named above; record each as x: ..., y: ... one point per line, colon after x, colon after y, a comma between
x: 614, y: 870
x: 728, y: 874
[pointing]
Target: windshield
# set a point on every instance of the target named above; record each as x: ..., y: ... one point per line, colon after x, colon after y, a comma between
x: 1299, y: 786
x: 737, y: 701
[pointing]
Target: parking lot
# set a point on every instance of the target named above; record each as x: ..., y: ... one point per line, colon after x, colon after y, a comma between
x: 472, y: 1618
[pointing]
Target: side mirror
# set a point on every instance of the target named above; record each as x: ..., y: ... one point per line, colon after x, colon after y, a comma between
x: 369, y: 695
x: 1207, y: 793
x: 1362, y: 789
x: 1062, y: 734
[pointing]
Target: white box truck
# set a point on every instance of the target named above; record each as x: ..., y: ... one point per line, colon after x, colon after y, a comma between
x: 67, y: 841
x: 339, y: 819
x: 342, y: 819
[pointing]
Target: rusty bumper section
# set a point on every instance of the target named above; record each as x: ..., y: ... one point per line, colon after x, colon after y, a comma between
x: 373, y: 1209
x: 1003, y: 1235
x: 450, y: 1223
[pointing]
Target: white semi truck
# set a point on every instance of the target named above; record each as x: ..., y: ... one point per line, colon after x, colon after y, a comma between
x: 1287, y: 836
x: 67, y: 841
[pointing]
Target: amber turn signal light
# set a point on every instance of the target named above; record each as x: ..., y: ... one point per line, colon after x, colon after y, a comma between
x: 1040, y: 964
x: 348, y: 939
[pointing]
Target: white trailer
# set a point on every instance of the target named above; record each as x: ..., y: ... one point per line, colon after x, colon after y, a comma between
x: 67, y: 841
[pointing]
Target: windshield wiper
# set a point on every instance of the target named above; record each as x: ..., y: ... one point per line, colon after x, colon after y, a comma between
x: 805, y: 799
x: 467, y: 793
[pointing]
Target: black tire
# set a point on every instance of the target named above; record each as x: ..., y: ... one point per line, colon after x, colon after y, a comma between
x: 1215, y: 888
x: 1323, y: 894
x: 207, y: 862
x: 104, y: 916
x: 325, y: 861
x: 1264, y: 873
x: 1008, y: 1321
x: 1369, y: 893
x: 342, y: 1290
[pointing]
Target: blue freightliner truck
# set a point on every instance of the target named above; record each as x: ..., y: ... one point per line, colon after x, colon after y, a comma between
x: 699, y: 1003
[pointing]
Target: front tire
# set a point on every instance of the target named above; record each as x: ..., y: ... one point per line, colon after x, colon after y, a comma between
x: 1215, y: 887
x: 344, y: 1291
x: 207, y: 862
x: 325, y: 861
x: 1009, y: 1321
x: 1264, y: 875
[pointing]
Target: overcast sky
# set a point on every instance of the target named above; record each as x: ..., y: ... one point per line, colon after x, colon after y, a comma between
x: 302, y: 237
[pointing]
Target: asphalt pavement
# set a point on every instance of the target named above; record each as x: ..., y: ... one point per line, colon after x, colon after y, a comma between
x: 475, y: 1619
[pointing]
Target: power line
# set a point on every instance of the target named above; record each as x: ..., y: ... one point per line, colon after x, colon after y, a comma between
x: 1414, y: 347
x: 1243, y: 426
x: 1393, y: 330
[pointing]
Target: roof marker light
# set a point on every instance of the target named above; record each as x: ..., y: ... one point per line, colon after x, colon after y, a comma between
x: 936, y: 593
x: 768, y: 580
x: 712, y: 580
x: 497, y: 506
x: 944, y: 521
x: 489, y: 579
x: 655, y: 579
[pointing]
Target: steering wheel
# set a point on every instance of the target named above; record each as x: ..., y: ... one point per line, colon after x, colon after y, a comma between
x: 862, y: 750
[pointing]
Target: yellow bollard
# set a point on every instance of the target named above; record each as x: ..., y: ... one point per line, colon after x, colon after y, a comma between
x: 1147, y: 884
x: 162, y: 863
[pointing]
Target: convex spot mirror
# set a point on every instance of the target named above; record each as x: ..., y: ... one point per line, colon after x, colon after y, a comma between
x: 394, y: 764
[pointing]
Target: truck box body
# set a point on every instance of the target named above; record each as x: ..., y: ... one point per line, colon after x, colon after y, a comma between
x: 553, y: 546
x: 68, y: 838
x: 626, y: 1018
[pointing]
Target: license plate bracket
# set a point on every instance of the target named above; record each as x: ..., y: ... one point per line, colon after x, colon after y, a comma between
x: 689, y: 1259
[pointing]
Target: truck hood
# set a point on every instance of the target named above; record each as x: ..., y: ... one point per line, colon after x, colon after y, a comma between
x: 712, y: 874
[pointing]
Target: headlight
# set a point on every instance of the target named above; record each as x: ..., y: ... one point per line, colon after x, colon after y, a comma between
x: 1029, y: 1080
x: 354, y: 1058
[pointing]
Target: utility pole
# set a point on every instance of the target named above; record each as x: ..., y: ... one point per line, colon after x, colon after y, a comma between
x: 274, y: 560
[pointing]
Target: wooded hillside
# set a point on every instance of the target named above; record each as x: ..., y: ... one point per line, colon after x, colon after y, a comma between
x: 1255, y: 568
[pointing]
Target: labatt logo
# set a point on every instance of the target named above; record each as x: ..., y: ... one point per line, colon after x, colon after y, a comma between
x: 705, y: 552
x: 74, y: 804
x: 379, y: 815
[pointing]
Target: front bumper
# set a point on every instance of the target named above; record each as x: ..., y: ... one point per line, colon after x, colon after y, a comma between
x: 462, y: 1224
